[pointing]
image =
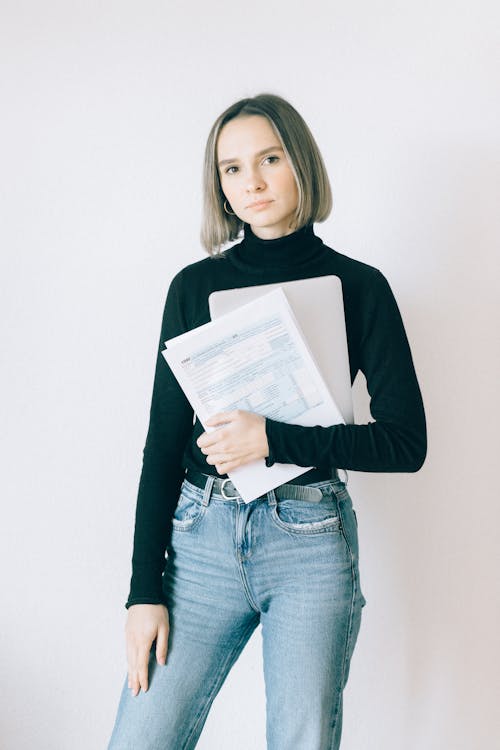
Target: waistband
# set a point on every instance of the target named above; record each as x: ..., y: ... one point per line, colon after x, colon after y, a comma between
x: 211, y: 484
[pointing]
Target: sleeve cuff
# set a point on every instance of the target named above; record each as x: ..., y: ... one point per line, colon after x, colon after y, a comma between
x: 270, y: 459
x: 145, y: 600
x: 146, y: 584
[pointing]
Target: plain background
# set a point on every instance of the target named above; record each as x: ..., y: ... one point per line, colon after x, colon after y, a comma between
x: 106, y: 107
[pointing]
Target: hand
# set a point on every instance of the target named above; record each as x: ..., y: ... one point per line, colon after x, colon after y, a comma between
x: 241, y: 438
x: 145, y: 622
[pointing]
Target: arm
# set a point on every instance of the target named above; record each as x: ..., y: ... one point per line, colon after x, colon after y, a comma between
x: 396, y: 440
x: 170, y: 424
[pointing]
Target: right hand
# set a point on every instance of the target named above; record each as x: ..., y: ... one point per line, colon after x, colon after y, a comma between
x: 145, y: 622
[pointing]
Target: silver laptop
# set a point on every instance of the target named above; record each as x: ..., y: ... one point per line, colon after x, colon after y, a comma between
x: 318, y: 306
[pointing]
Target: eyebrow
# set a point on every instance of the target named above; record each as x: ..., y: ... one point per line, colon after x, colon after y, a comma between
x: 259, y: 153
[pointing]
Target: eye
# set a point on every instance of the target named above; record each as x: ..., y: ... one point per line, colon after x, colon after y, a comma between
x: 228, y: 170
x: 272, y: 159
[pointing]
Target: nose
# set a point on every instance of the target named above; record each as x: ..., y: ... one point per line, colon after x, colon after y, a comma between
x: 255, y: 181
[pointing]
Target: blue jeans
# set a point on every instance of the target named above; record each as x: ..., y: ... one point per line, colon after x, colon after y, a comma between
x: 288, y: 560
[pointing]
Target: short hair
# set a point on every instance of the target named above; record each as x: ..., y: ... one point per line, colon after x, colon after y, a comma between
x: 314, y: 191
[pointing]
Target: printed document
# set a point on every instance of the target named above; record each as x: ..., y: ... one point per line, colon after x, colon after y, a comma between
x: 254, y: 358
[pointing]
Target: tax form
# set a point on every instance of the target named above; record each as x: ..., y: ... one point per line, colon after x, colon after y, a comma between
x: 254, y: 358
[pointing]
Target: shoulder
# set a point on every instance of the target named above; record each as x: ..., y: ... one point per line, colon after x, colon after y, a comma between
x: 360, y: 281
x: 196, y: 272
x: 354, y: 270
x: 201, y: 269
x: 191, y: 286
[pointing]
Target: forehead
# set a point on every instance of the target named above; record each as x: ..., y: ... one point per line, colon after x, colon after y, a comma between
x: 245, y: 135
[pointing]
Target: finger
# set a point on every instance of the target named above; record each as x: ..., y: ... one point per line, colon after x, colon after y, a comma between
x: 225, y: 468
x: 209, y: 439
x: 221, y: 418
x: 162, y: 645
x: 143, y: 673
x: 219, y: 458
x: 130, y: 672
x: 133, y: 679
x: 131, y: 663
x: 134, y: 684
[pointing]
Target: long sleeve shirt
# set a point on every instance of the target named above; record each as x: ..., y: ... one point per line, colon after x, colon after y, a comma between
x: 378, y: 347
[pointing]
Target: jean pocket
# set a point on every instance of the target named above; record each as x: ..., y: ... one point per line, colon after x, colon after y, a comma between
x: 303, y: 517
x: 189, y: 510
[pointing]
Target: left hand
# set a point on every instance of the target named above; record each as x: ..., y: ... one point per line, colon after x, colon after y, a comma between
x: 241, y: 439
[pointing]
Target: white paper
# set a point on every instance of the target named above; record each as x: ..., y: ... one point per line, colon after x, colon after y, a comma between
x: 255, y: 359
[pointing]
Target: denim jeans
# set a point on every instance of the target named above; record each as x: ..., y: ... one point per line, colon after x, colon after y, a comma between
x: 289, y: 561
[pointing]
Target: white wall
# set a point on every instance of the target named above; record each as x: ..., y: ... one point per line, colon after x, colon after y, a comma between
x: 106, y: 108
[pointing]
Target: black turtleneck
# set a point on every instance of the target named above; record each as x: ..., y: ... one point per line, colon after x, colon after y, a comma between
x: 377, y: 343
x: 297, y: 250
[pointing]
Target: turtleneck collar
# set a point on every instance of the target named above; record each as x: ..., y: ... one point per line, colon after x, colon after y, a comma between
x: 301, y: 248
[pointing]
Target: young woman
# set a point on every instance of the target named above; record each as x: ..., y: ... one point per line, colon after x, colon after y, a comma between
x: 289, y: 559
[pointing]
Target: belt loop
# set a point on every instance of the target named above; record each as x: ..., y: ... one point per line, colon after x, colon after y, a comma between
x: 271, y: 498
x: 208, y: 490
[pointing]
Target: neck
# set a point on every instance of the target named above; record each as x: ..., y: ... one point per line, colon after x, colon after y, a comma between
x: 269, y: 233
x: 300, y: 248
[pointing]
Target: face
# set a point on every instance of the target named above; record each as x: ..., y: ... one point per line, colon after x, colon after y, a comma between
x: 256, y: 177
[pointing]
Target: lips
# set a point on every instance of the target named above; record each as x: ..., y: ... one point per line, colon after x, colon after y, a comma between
x: 259, y: 204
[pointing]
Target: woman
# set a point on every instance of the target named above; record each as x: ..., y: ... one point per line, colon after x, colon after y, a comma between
x: 289, y: 559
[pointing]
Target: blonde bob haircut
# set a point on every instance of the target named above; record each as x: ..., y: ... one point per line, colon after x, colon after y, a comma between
x: 315, y: 195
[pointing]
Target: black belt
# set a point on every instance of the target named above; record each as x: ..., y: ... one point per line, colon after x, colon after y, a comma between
x: 200, y: 480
